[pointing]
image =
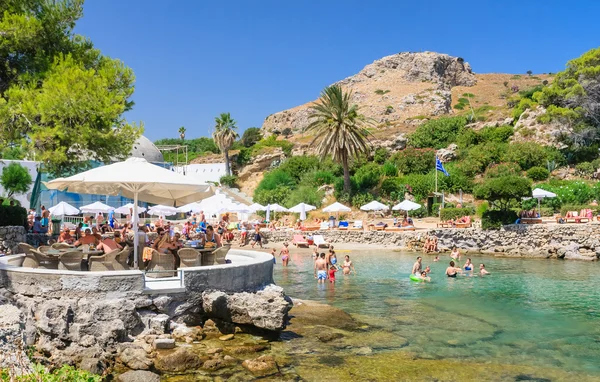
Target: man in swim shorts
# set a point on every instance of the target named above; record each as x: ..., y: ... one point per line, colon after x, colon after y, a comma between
x: 417, y: 268
x: 321, y: 269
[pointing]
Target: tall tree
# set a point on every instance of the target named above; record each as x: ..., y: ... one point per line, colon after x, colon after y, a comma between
x: 15, y: 179
x: 339, y: 129
x: 61, y: 101
x: 182, y: 133
x: 224, y: 136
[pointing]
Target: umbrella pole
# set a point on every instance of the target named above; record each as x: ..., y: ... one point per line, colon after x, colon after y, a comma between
x: 136, y: 238
x: 540, y: 207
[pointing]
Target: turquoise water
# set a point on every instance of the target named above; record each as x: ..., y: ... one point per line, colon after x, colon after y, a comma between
x: 532, y: 312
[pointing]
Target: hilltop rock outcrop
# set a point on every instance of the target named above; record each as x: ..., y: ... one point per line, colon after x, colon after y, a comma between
x: 393, y: 88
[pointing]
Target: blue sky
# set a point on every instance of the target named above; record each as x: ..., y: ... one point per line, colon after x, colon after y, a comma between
x: 194, y: 59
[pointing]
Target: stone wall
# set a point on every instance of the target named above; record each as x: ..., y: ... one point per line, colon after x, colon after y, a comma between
x: 11, y: 236
x: 565, y: 241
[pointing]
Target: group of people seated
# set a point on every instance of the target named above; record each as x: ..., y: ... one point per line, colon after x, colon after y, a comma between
x: 430, y: 245
x: 529, y: 214
x: 405, y: 222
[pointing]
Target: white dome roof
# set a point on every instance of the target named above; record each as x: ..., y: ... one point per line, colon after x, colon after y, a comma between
x: 144, y: 148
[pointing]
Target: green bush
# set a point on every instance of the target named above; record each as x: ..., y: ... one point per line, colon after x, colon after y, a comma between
x: 500, y: 134
x: 64, y: 374
x: 244, y: 156
x: 538, y: 173
x: 482, y: 208
x: 276, y: 178
x: 585, y: 168
x: 389, y: 169
x: 569, y: 192
x: 305, y: 194
x: 367, y: 176
x: 323, y: 177
x: 278, y: 195
x: 229, y: 180
x: 392, y: 186
x: 495, y: 219
x: 477, y: 158
x: 272, y: 141
x: 527, y: 154
x: 13, y: 216
x: 437, y: 133
x: 458, y: 179
x: 298, y: 165
x: 455, y: 213
x: 251, y: 136
x: 419, y: 185
x: 502, y: 169
x: 414, y: 161
x: 501, y: 191
x: 361, y: 199
x: 381, y: 155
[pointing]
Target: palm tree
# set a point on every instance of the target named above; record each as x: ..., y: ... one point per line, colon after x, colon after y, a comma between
x: 224, y: 136
x: 182, y: 133
x: 338, y: 128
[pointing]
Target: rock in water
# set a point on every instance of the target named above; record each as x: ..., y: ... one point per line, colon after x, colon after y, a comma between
x: 138, y: 376
x: 180, y: 360
x: 261, y: 366
x: 265, y: 309
x: 135, y: 358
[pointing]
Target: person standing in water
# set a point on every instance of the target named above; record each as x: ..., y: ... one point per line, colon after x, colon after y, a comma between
x: 285, y: 254
x: 417, y: 267
x: 348, y: 266
x: 482, y: 270
x: 455, y: 254
x: 273, y: 253
x: 452, y: 271
x: 321, y: 269
x: 332, y: 271
x: 468, y: 266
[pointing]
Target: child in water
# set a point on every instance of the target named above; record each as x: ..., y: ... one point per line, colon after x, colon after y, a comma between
x: 332, y: 271
x: 273, y: 252
x: 333, y: 260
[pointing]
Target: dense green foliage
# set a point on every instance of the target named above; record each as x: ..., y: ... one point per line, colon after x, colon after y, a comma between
x: 224, y: 136
x: 196, y: 147
x: 501, y: 191
x: 251, y: 136
x: 495, y: 219
x: 14, y: 215
x: 228, y: 180
x: 15, y: 179
x: 40, y: 374
x: 414, y: 161
x: 455, y: 213
x: 538, y: 173
x: 437, y: 133
x: 60, y: 99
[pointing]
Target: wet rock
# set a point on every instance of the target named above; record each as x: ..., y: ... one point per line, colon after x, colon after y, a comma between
x: 329, y: 336
x: 138, y: 376
x: 214, y: 351
x: 164, y: 343
x: 247, y: 349
x: 213, y: 364
x: 92, y: 365
x: 261, y: 366
x: 135, y: 358
x: 227, y: 337
x: 180, y: 360
x: 306, y: 313
x: 365, y: 350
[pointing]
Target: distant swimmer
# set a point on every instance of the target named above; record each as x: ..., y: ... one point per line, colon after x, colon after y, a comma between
x: 482, y: 270
x: 417, y: 267
x: 452, y: 271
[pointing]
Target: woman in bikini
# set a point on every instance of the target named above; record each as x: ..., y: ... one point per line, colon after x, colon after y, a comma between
x: 455, y: 254
x: 348, y: 266
x: 468, y: 266
x: 285, y: 254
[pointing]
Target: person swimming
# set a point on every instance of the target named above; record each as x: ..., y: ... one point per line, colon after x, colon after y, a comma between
x: 452, y: 271
x: 482, y: 270
x: 424, y: 276
x: 468, y: 265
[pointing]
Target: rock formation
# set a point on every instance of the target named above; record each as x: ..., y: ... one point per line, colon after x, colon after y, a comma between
x: 393, y: 88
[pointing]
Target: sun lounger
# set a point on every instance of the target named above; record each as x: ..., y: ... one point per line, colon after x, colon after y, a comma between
x: 357, y: 226
x: 298, y: 240
x: 311, y: 228
x: 400, y: 229
x: 531, y: 221
x: 324, y: 226
x: 319, y: 241
x: 373, y: 227
x: 463, y: 225
x: 444, y: 225
x: 343, y: 226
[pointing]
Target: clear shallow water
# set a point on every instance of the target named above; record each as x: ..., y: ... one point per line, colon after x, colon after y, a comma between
x: 543, y: 313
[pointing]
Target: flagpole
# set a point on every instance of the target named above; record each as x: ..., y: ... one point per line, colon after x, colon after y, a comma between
x: 436, y: 175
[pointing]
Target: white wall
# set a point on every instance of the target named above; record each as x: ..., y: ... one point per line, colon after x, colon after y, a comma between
x: 209, y: 172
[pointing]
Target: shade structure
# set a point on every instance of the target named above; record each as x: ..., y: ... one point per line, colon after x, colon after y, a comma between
x: 217, y: 204
x: 96, y: 208
x: 374, y: 206
x: 277, y: 208
x: 127, y: 208
x: 302, y: 206
x: 193, y: 207
x: 138, y: 179
x: 337, y: 207
x: 62, y: 209
x: 538, y: 193
x: 257, y: 207
x: 240, y: 208
x: 406, y: 205
x: 160, y: 210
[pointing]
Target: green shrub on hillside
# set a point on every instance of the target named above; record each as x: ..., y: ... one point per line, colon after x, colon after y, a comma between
x: 479, y: 157
x: 586, y: 168
x: 392, y: 186
x: 298, y: 165
x: 367, y: 176
x: 381, y: 155
x: 305, y: 194
x: 420, y: 184
x: 272, y: 141
x: 437, y: 133
x: 527, y: 154
x: 502, y: 169
x: 455, y: 213
x: 229, y: 180
x: 389, y: 169
x: 278, y: 195
x: 414, y: 161
x: 361, y: 199
x: 538, y: 173
x: 321, y: 177
x: 274, y: 179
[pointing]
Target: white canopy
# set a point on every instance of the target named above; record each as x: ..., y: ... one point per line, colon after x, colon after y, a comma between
x: 126, y: 209
x: 277, y: 208
x: 138, y: 179
x: 298, y: 208
x: 193, y: 207
x: 160, y: 210
x: 337, y: 207
x: 62, y: 209
x: 95, y: 208
x: 538, y: 193
x: 257, y: 207
x: 406, y: 205
x: 374, y: 206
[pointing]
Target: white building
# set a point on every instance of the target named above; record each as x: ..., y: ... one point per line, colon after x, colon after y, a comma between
x: 206, y: 173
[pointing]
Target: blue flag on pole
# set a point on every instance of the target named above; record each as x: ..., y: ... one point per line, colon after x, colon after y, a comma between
x: 440, y: 167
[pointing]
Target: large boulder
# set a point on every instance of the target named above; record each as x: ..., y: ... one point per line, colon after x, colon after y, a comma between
x: 138, y: 376
x: 12, y: 355
x: 180, y: 360
x: 261, y: 366
x: 266, y: 309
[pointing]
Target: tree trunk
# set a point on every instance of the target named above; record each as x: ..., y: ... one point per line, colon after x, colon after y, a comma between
x: 227, y: 167
x: 346, y: 173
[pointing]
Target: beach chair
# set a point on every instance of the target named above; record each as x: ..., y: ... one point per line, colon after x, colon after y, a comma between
x: 122, y: 260
x: 343, y: 226
x: 161, y: 265
x: 531, y: 221
x: 104, y: 262
x: 324, y: 226
x: 399, y: 229
x: 357, y: 226
x: 319, y: 241
x: 208, y: 258
x: 189, y: 257
x: 70, y: 261
x: 299, y: 240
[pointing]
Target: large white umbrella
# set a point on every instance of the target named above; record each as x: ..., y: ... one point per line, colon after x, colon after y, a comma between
x: 137, y: 179
x: 374, y: 206
x: 540, y: 194
x: 337, y: 207
x: 257, y: 207
x: 96, y: 208
x: 62, y: 209
x: 160, y: 210
x: 302, y: 208
x: 127, y: 208
x: 406, y: 205
x: 277, y: 208
x: 194, y: 207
